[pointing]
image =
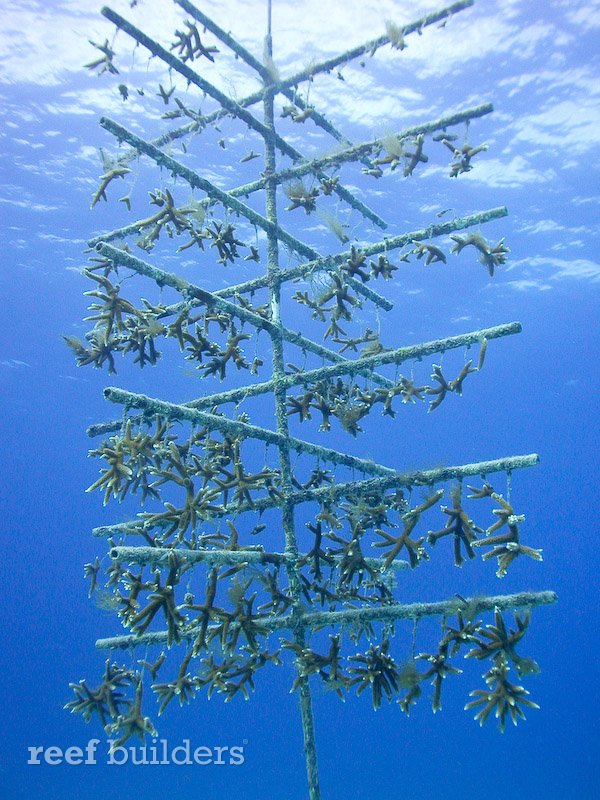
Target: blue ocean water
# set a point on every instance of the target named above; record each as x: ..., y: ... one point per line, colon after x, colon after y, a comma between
x: 538, y: 64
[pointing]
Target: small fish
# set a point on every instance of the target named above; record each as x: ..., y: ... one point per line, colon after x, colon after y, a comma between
x: 258, y: 529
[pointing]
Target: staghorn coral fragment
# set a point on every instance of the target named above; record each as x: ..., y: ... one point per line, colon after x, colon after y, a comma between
x: 279, y: 601
x: 250, y: 155
x: 162, y: 598
x: 222, y: 677
x: 114, y: 310
x: 382, y: 268
x: 117, y: 476
x: 165, y: 94
x: 501, y: 697
x: 459, y: 526
x: 412, y: 159
x: 139, y: 338
x: 91, y: 571
x: 253, y: 255
x: 497, y: 639
x: 241, y: 620
x: 223, y: 238
x: 199, y: 626
x: 328, y: 667
x: 375, y: 670
x: 438, y: 670
x: 409, y: 678
x: 133, y: 723
x: 301, y: 116
x: 454, y: 638
x: 355, y: 265
x: 456, y: 385
x: 109, y: 175
x: 129, y: 458
x: 462, y: 156
x: 414, y: 547
x: 316, y: 554
x: 486, y: 490
x: 154, y: 667
x: 189, y: 45
x: 328, y: 185
x: 409, y: 391
x: 490, y: 257
x: 108, y: 699
x: 352, y: 564
x: 105, y: 62
x: 353, y: 344
x: 394, y: 153
x: 432, y: 253
x: 440, y: 391
x: 505, y: 546
x: 183, y: 687
x: 300, y: 197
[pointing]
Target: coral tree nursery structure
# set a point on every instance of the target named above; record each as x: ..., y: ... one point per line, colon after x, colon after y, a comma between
x: 197, y: 577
